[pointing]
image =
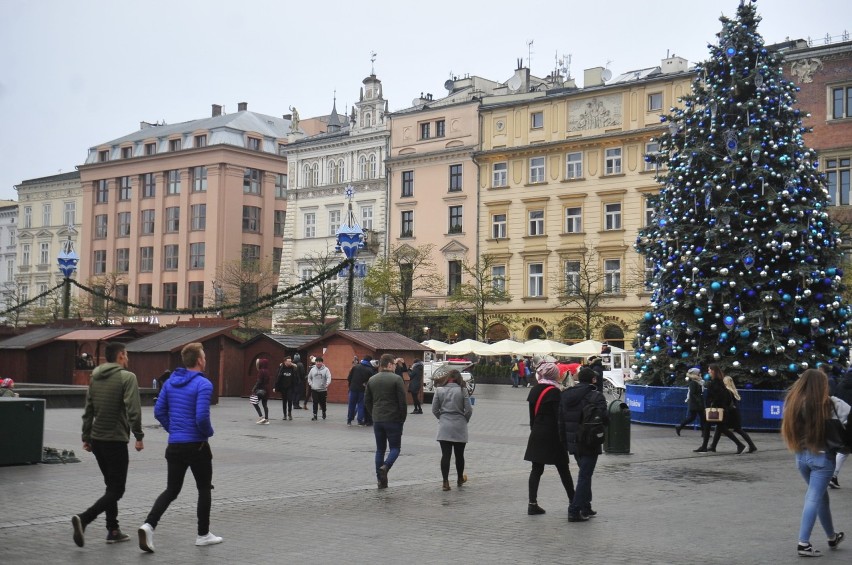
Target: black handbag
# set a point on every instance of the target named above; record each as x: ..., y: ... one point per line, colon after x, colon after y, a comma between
x: 837, y: 436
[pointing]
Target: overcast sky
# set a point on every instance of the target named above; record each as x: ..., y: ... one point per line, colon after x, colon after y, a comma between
x: 76, y: 73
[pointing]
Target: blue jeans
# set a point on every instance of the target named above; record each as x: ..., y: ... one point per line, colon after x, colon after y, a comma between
x: 817, y: 470
x: 356, y: 405
x: 583, y: 489
x: 515, y: 378
x: 387, y: 433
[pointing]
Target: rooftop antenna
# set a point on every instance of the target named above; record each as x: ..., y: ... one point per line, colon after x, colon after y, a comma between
x: 372, y: 62
x: 529, y: 53
x: 565, y: 63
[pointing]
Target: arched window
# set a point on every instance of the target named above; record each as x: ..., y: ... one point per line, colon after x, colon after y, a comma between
x: 306, y: 175
x: 341, y: 171
x: 368, y: 120
x: 331, y: 172
x: 315, y: 171
x: 362, y: 167
x: 372, y: 166
x: 536, y: 332
x: 614, y: 336
x: 572, y: 332
x: 497, y: 332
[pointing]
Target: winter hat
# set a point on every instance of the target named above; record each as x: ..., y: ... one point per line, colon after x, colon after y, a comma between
x: 694, y: 371
x: 297, y: 357
x: 547, y: 373
x: 7, y: 383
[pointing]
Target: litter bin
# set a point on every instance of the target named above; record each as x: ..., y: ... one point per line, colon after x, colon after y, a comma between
x: 617, y: 435
x: 21, y: 430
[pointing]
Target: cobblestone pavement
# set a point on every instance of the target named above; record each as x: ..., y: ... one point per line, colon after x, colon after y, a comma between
x: 305, y: 491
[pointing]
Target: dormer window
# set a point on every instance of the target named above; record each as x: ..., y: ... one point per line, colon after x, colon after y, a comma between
x: 126, y: 152
x: 103, y: 156
x: 174, y: 145
x: 254, y: 144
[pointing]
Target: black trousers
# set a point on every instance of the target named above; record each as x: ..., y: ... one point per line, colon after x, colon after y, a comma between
x: 415, y: 399
x: 113, y: 460
x: 197, y: 457
x: 564, y: 475
x: 319, y: 397
x: 263, y: 400
x: 447, y: 449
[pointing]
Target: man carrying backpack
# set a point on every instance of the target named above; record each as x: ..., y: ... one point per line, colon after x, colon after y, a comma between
x: 582, y: 420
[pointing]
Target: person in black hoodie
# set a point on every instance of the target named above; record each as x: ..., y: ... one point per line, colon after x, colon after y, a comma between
x: 415, y: 383
x: 570, y: 420
x: 286, y: 385
x: 358, y: 376
x: 844, y: 393
x: 300, y: 382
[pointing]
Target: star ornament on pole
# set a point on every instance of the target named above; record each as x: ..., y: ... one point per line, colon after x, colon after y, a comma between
x: 350, y: 236
x: 67, y: 259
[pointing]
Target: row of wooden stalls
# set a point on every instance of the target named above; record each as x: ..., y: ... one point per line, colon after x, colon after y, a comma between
x: 66, y: 356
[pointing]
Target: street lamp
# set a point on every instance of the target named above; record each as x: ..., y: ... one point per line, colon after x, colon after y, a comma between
x: 350, y: 239
x: 67, y: 260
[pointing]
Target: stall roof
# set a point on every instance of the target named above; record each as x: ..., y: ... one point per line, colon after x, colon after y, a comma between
x: 34, y: 338
x: 92, y: 335
x: 377, y: 341
x: 287, y: 340
x: 173, y: 339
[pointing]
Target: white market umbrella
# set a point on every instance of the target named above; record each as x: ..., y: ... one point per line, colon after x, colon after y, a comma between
x: 464, y: 347
x: 503, y: 347
x: 437, y: 345
x: 542, y: 347
x: 590, y: 347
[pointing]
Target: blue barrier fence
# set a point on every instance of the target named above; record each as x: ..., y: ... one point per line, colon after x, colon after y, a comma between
x: 760, y: 409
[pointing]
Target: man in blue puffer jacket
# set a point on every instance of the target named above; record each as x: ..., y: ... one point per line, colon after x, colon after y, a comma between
x: 183, y: 409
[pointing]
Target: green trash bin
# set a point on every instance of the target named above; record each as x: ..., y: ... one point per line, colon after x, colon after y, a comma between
x: 21, y: 430
x: 617, y: 435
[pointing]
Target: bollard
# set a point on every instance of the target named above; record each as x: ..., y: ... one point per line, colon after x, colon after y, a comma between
x: 617, y: 435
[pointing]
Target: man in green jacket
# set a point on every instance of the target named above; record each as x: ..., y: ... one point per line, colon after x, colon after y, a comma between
x: 112, y: 411
x: 385, y: 403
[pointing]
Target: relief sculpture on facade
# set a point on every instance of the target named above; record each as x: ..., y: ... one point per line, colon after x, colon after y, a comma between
x: 596, y: 113
x: 805, y: 69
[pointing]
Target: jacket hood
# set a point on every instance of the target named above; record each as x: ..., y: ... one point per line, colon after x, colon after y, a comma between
x: 575, y: 394
x: 106, y: 370
x: 182, y: 377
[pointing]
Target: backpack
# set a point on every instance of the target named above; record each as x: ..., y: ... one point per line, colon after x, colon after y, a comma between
x: 592, y: 425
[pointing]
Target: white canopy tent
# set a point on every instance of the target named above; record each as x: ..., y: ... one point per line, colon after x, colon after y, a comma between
x: 542, y: 347
x: 438, y: 346
x: 590, y: 347
x: 504, y: 347
x: 464, y: 347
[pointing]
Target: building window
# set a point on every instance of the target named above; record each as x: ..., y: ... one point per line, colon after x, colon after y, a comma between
x: 279, y: 218
x: 498, y: 278
x: 341, y: 171
x: 367, y: 217
x: 10, y: 269
x: 455, y: 225
x: 44, y: 253
x: 103, y: 156
x: 250, y: 254
x: 170, y: 296
x: 498, y: 174
x: 28, y: 216
x: 650, y: 209
x: 652, y: 153
x: 150, y: 149
x: 11, y: 241
x: 455, y: 178
x: 199, y: 179
x: 407, y: 183
x: 655, y: 101
x: 149, y: 185
x: 254, y: 144
x: 198, y: 217
x: 70, y: 216
x: 454, y: 276
x: 572, y: 277
x: 280, y: 186
x: 612, y: 161
x: 25, y: 292
x: 126, y: 152
x: 42, y: 290
x: 498, y: 226
x: 368, y: 119
x: 373, y: 173
x: 407, y: 224
x: 146, y: 259
x: 145, y: 294
x: 537, y: 120
x: 147, y: 222
x: 101, y: 226
x: 649, y: 273
x: 172, y: 219
x: 612, y: 276
x: 573, y: 220
x: 101, y: 191
x: 536, y: 169
x: 200, y: 141
x: 173, y: 186
x: 196, y: 294
x: 333, y: 221
x: 123, y: 224
x: 310, y: 225
x: 276, y: 261
x: 121, y: 293
x: 332, y: 172
x: 612, y: 216
x: 536, y: 222
x: 837, y: 175
x: 362, y: 167
x: 535, y: 273
x: 306, y: 175
x: 841, y: 102
x: 45, y: 215
x: 251, y: 219
x: 25, y: 255
x: 251, y: 181
x: 124, y: 190
x: 425, y: 129
x: 196, y: 255
x: 99, y: 262
x: 174, y: 145
x: 440, y: 128
x: 122, y: 260
x: 574, y: 165
x: 170, y: 257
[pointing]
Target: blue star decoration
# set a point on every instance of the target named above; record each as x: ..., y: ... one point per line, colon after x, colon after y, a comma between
x: 349, y: 192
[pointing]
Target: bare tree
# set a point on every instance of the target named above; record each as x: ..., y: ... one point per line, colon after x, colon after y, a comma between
x: 479, y: 289
x: 243, y: 281
x: 99, y: 306
x: 401, y: 280
x: 316, y: 311
x: 13, y: 304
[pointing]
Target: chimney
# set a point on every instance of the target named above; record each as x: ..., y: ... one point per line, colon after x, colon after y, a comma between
x: 593, y: 77
x: 674, y: 64
x: 242, y: 106
x: 217, y: 110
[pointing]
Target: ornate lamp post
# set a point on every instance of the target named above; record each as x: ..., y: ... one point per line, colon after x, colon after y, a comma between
x: 67, y: 260
x: 350, y: 238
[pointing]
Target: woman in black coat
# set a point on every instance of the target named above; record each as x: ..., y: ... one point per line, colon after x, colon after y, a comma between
x: 694, y: 401
x: 261, y: 389
x: 719, y: 397
x: 544, y: 446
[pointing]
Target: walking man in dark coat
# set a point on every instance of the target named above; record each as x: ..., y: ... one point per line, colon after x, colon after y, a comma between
x: 285, y: 384
x: 385, y: 402
x: 415, y: 383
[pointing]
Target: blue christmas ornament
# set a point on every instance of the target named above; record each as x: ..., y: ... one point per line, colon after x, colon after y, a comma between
x: 698, y: 312
x: 729, y: 321
x: 715, y: 286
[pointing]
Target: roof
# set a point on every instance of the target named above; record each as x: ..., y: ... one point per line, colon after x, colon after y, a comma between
x: 73, y: 175
x: 173, y: 339
x: 376, y: 341
x: 287, y: 340
x: 91, y: 335
x: 34, y: 338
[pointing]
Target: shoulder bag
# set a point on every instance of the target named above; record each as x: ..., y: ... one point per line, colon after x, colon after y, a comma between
x: 540, y: 398
x: 714, y: 414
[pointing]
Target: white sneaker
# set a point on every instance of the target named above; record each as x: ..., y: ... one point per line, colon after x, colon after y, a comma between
x: 262, y: 420
x: 208, y: 539
x: 146, y: 538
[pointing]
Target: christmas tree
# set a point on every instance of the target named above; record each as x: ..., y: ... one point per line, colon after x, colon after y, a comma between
x: 747, y: 261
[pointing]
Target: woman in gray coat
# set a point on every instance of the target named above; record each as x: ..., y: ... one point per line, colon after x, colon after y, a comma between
x: 451, y: 406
